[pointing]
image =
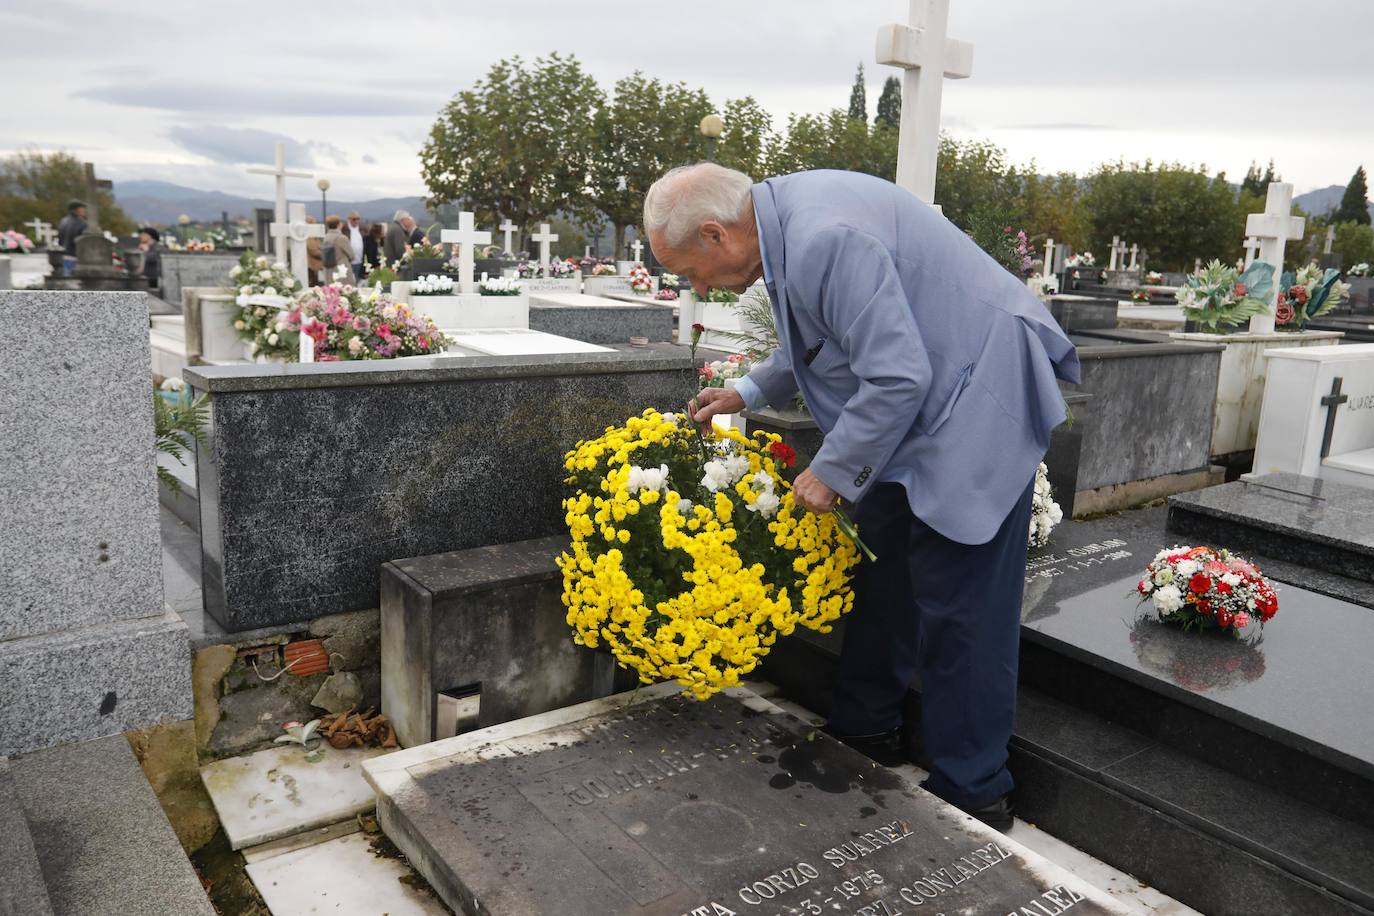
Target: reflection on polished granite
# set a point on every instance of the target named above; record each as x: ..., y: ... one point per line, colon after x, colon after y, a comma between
x: 1303, y: 680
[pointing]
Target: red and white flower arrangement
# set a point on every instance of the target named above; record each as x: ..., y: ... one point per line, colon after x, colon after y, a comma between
x: 667, y: 294
x: 603, y: 270
x: 1204, y: 588
x: 347, y: 325
x: 1141, y: 296
x: 11, y: 240
x: 1081, y: 259
x: 715, y: 374
x: 199, y: 245
x: 640, y: 281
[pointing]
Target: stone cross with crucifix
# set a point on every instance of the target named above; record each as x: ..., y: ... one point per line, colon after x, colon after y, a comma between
x: 467, y: 238
x: 279, y: 216
x: 93, y: 188
x: 922, y: 49
x: 545, y: 238
x: 296, y: 233
x: 508, y: 228
x: 1274, y: 228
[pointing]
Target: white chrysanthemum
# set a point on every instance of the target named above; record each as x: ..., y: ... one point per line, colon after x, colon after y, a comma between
x: 1187, y: 568
x: 736, y: 466
x: 647, y: 478
x: 235, y: 271
x: 261, y: 261
x: 715, y: 476
x: 1168, y: 599
x: 767, y: 504
x: 684, y: 506
x: 273, y: 339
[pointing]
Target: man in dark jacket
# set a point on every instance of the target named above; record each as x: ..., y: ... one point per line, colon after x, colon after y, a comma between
x: 150, y: 243
x: 397, y: 237
x: 72, y: 227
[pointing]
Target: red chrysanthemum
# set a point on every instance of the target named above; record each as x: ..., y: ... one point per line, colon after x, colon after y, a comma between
x: 783, y: 452
x: 699, y: 328
x: 1200, y: 584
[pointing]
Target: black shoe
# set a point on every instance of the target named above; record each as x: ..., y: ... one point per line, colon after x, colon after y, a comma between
x: 883, y: 748
x: 997, y: 814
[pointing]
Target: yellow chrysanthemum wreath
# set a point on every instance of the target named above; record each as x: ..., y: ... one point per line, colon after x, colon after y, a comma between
x: 688, y: 555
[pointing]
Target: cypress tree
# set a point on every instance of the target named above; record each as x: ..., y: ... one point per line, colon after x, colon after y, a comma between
x: 890, y: 103
x: 858, y: 98
x: 1354, y: 206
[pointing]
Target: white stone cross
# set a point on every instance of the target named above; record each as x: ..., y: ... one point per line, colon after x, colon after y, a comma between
x: 1330, y: 239
x: 1274, y: 228
x: 295, y: 233
x: 508, y: 227
x: 1251, y: 250
x: 1048, y: 269
x: 922, y: 49
x: 545, y: 238
x: 41, y: 230
x: 467, y: 238
x: 1135, y: 250
x: 1197, y: 267
x: 280, y: 172
x: 1116, y: 241
x: 638, y: 249
x: 587, y: 251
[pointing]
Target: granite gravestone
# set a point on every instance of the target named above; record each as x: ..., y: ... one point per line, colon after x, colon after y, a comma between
x: 669, y: 806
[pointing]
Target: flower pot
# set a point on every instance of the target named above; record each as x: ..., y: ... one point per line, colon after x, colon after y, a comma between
x: 472, y: 311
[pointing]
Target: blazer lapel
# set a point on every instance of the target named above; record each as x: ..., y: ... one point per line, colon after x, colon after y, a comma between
x: 770, y: 227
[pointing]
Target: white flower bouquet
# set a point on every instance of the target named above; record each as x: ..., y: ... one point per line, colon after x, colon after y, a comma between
x: 499, y: 286
x: 432, y: 285
x: 1045, y: 512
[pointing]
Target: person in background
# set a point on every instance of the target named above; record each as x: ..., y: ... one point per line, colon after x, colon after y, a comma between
x: 150, y: 243
x: 314, y: 257
x: 71, y: 228
x: 417, y: 235
x: 356, y: 237
x: 398, y: 237
x: 372, y: 246
x: 337, y: 250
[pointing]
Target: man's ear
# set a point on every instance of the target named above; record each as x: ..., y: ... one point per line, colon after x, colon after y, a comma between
x: 711, y: 233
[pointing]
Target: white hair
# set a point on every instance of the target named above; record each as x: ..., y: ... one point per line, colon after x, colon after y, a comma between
x: 679, y: 202
x: 400, y: 215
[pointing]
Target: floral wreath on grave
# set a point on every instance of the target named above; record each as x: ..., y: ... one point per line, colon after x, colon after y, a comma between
x: 346, y: 324
x: 640, y: 281
x: 263, y: 288
x: 1204, y: 588
x: 200, y: 245
x: 1045, y: 512
x: 1154, y: 278
x: 716, y: 374
x: 1361, y: 269
x: 558, y: 269
x: 1140, y: 295
x: 689, y: 557
x: 1081, y: 259
x: 499, y: 286
x: 10, y: 240
x: 1308, y: 294
x: 1222, y: 295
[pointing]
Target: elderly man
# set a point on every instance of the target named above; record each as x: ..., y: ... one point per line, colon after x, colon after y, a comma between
x: 71, y: 228
x: 931, y: 371
x: 356, y: 234
x: 398, y: 237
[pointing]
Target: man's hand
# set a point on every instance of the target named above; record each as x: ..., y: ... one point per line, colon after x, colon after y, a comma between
x: 812, y: 494
x: 713, y: 401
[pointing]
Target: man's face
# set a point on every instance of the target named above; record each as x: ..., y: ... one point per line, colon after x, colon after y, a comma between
x: 408, y: 224
x: 720, y: 257
x: 80, y: 212
x: 145, y: 239
x: 354, y: 222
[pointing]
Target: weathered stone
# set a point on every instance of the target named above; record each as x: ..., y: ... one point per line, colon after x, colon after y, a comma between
x: 208, y: 666
x: 339, y: 691
x: 252, y: 718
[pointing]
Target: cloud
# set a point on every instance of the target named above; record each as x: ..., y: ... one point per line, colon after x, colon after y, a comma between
x: 1059, y: 125
x: 218, y: 99
x: 233, y: 145
x: 369, y: 159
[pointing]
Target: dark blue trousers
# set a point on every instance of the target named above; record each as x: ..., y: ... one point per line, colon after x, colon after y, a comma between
x: 951, y: 612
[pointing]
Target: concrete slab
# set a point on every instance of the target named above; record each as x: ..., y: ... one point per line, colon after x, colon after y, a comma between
x: 341, y: 877
x: 280, y: 791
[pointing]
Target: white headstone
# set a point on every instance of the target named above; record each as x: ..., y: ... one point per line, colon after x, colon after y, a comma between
x: 1116, y: 242
x: 1048, y: 269
x: 1251, y: 250
x: 1318, y: 413
x: 922, y: 49
x: 638, y: 249
x: 545, y: 238
x: 508, y: 228
x: 281, y: 173
x: 467, y: 238
x: 587, y: 251
x: 295, y: 233
x: 1274, y: 228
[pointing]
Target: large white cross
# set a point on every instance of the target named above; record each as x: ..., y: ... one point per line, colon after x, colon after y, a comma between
x: 281, y: 173
x: 41, y: 230
x: 1274, y: 228
x: 1048, y: 270
x: 545, y: 238
x: 922, y: 49
x: 1135, y: 250
x: 508, y: 227
x: 466, y: 237
x: 1251, y: 251
x: 638, y: 249
x: 296, y: 232
x: 1116, y: 241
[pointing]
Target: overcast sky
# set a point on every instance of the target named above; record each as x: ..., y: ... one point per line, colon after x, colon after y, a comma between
x: 193, y: 92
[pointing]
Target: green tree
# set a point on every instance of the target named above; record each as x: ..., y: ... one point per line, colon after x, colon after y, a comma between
x: 745, y: 141
x: 518, y: 144
x: 645, y: 129
x: 833, y: 141
x: 1354, y: 206
x: 858, y: 97
x: 1051, y: 207
x: 890, y: 103
x: 37, y: 185
x: 1354, y: 243
x: 973, y: 177
x: 1175, y: 212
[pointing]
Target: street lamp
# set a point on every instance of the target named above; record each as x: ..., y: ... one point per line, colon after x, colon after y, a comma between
x: 711, y: 128
x: 323, y: 185
x: 184, y: 222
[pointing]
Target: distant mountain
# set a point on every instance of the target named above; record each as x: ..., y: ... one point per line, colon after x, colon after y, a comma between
x: 1323, y: 200
x: 159, y: 203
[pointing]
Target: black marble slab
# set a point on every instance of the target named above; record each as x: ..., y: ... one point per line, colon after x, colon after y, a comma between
x: 306, y: 491
x: 1075, y: 312
x: 1316, y: 523
x: 607, y: 326
x: 488, y: 622
x: 674, y: 807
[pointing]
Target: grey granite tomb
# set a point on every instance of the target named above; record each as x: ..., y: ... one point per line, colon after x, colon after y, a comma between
x: 662, y: 806
x: 598, y: 320
x: 87, y: 647
x: 315, y: 475
x: 1078, y: 313
x: 182, y: 269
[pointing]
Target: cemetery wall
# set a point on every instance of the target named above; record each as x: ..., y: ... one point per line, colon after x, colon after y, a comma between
x: 315, y: 475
